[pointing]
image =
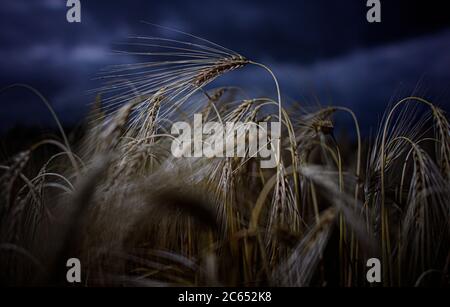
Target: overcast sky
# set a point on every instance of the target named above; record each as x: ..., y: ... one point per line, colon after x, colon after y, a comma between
x: 316, y: 47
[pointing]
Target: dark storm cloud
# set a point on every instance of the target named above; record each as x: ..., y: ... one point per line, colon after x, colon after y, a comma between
x: 365, y: 80
x: 320, y: 47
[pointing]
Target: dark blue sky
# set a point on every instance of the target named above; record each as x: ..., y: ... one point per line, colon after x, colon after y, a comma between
x: 316, y: 47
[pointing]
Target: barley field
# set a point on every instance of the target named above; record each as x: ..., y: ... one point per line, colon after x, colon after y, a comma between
x: 117, y: 199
